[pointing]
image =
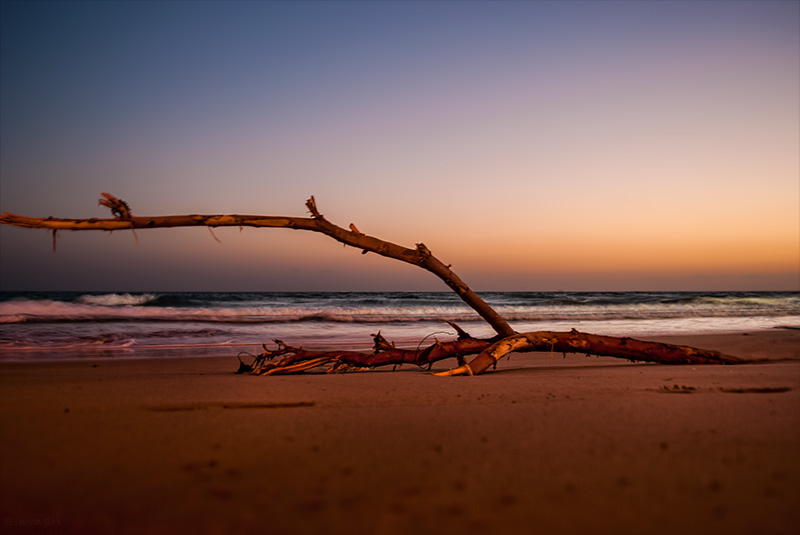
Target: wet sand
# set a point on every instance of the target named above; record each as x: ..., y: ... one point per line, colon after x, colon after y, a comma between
x: 543, y: 445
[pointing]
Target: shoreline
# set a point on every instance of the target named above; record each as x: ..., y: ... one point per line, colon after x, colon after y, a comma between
x: 217, y: 350
x: 550, y: 444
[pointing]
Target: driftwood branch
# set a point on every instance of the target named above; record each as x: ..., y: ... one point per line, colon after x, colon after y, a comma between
x: 419, y: 256
x: 287, y: 359
x: 590, y: 344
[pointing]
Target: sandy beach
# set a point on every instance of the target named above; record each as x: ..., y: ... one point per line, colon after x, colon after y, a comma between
x: 543, y: 445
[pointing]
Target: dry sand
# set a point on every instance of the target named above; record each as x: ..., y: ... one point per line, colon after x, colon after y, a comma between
x: 545, y: 445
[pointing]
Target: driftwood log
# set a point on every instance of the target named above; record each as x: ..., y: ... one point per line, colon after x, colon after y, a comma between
x: 287, y: 359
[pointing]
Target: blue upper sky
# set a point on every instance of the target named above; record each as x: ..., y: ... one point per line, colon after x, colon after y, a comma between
x: 534, y: 145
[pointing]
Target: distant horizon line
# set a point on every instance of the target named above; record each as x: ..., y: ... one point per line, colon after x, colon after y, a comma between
x: 106, y: 291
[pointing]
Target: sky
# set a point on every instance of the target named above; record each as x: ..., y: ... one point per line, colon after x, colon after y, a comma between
x: 533, y: 145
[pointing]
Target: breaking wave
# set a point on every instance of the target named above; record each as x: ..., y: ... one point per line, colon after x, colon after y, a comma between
x: 53, y: 324
x: 371, y: 309
x: 116, y: 299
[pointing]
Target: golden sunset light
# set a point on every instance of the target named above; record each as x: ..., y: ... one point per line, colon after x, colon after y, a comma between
x: 474, y: 267
x: 649, y: 137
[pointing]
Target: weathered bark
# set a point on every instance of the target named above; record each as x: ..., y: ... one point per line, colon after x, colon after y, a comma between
x: 591, y: 344
x: 287, y: 359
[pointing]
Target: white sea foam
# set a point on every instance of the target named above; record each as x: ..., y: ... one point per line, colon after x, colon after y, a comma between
x: 125, y: 307
x: 116, y: 299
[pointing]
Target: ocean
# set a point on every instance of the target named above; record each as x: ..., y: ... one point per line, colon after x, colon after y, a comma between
x: 70, y: 325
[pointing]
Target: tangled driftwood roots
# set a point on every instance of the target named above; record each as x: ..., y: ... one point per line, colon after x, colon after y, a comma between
x: 287, y: 359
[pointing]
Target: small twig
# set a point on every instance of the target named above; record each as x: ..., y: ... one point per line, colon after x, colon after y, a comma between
x: 213, y: 235
x: 118, y: 207
x: 311, y: 204
x: 428, y: 336
x: 380, y: 343
x: 461, y: 332
x: 244, y: 368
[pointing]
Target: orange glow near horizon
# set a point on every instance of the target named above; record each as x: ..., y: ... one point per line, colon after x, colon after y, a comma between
x: 646, y: 139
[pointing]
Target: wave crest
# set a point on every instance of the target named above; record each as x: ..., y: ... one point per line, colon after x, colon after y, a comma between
x: 126, y: 307
x: 114, y: 300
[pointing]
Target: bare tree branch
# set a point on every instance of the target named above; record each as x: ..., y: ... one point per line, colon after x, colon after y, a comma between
x: 420, y: 256
x: 287, y: 359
